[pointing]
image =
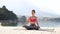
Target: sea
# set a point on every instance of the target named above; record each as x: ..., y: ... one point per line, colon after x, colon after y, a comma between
x: 44, y: 24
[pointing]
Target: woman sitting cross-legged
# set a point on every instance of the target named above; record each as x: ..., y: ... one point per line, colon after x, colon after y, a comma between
x: 33, y: 22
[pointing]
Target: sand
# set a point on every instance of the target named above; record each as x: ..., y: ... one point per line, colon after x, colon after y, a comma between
x: 21, y: 30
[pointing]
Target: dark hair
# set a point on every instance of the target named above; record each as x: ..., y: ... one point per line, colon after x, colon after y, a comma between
x: 33, y: 11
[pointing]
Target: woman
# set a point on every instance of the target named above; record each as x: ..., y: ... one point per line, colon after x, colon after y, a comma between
x: 33, y: 21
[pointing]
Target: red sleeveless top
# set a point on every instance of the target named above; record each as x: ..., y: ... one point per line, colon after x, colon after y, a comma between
x: 33, y: 19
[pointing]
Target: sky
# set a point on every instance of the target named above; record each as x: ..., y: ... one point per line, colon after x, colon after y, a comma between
x: 43, y: 8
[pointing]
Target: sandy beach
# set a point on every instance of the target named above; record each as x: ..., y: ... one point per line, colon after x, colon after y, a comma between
x: 21, y: 30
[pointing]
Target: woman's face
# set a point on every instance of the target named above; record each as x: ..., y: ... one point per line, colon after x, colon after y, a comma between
x: 33, y: 13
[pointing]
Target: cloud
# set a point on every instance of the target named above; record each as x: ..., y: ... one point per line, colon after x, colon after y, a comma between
x: 24, y: 7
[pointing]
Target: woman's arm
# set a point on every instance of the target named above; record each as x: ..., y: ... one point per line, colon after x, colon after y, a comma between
x: 37, y: 22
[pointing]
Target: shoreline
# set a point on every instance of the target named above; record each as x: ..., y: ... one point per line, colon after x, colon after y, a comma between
x: 21, y: 30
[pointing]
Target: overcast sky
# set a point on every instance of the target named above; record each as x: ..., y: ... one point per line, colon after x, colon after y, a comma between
x: 47, y: 8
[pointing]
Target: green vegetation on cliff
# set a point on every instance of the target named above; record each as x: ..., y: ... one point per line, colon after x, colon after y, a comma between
x: 5, y: 14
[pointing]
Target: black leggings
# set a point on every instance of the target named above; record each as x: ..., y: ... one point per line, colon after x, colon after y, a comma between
x: 32, y: 27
